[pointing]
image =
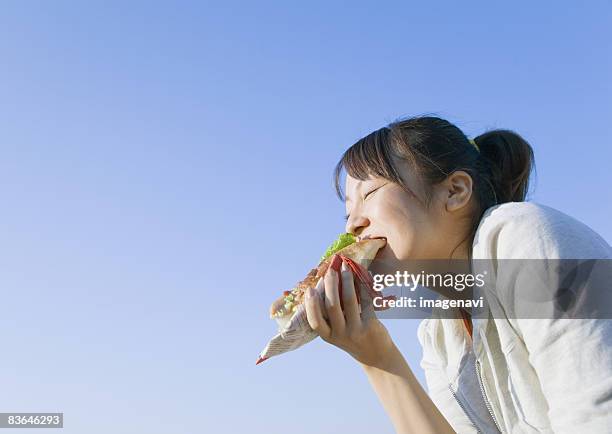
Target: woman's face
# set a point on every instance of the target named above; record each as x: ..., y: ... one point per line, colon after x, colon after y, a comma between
x: 378, y: 208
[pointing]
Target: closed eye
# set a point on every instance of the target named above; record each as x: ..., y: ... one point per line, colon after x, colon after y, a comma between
x: 346, y: 217
x: 373, y: 191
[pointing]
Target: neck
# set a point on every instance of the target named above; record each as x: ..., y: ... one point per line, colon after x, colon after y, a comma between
x: 458, y: 263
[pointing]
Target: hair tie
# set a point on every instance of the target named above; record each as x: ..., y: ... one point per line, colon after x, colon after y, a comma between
x: 475, y: 145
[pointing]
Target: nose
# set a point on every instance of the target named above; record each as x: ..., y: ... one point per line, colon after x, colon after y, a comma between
x: 356, y: 224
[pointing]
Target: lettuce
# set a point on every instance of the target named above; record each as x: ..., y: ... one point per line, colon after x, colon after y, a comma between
x: 343, y: 240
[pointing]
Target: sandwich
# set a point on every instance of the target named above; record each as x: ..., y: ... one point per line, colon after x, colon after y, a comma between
x: 288, y: 309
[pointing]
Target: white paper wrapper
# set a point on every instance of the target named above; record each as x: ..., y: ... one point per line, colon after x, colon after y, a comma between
x: 295, y: 333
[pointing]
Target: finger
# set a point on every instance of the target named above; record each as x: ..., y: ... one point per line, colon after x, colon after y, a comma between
x: 314, y: 313
x: 349, y: 298
x: 332, y: 301
x: 367, y: 306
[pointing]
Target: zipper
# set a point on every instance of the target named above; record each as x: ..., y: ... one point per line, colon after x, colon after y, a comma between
x: 484, y: 395
x: 463, y: 408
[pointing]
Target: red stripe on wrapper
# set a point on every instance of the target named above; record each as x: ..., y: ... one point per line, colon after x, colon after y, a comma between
x: 363, y: 276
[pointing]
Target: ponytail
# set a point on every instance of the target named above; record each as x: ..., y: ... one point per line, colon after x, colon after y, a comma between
x: 509, y: 159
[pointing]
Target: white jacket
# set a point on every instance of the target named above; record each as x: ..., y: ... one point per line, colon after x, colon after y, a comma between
x: 536, y: 375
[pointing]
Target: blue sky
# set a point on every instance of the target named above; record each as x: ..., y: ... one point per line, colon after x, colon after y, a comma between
x: 166, y: 171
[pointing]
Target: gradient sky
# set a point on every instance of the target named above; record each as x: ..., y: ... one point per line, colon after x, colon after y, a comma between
x: 166, y: 171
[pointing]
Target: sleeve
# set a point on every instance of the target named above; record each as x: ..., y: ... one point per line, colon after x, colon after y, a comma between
x: 570, y: 346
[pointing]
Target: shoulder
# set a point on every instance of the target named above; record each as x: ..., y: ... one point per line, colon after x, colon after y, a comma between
x: 532, y: 230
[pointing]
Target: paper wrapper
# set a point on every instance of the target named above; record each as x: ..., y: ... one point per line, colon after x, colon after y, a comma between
x: 297, y: 331
x: 294, y: 334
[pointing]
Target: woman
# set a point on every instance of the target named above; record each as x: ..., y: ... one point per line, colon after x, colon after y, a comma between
x: 434, y: 194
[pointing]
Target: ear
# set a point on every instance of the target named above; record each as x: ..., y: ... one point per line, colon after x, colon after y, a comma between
x: 458, y: 190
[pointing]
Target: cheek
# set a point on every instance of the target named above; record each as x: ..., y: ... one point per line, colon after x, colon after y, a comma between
x: 395, y: 224
x: 405, y: 228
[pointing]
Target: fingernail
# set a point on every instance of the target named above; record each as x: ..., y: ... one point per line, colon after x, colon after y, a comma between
x: 309, y: 293
x: 330, y: 270
x: 319, y: 283
x: 344, y: 267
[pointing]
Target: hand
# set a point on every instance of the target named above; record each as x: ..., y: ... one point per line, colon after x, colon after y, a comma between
x: 361, y: 335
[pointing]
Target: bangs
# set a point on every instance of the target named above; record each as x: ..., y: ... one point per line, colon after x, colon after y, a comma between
x: 370, y: 156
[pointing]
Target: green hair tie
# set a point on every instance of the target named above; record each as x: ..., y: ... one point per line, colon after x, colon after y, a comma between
x: 475, y: 145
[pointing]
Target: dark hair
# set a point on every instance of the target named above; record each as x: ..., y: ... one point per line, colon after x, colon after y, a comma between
x: 433, y: 148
